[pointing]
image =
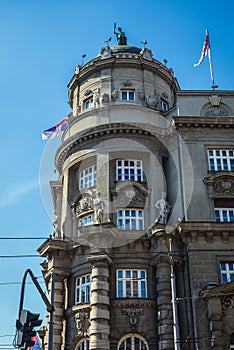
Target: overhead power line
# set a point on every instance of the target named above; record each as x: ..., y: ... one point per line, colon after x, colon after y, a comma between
x: 8, y: 238
x: 20, y: 256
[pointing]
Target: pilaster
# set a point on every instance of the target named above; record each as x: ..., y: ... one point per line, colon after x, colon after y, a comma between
x: 100, y: 314
x: 164, y: 305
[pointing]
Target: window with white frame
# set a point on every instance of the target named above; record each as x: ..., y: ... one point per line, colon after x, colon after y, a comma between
x: 127, y: 95
x: 88, y: 177
x: 85, y: 220
x: 224, y: 209
x: 88, y: 103
x: 224, y: 214
x: 130, y: 219
x: 132, y: 342
x: 129, y: 170
x: 227, y: 271
x: 83, y: 345
x: 131, y: 284
x: 83, y: 289
x: 164, y: 106
x: 221, y: 160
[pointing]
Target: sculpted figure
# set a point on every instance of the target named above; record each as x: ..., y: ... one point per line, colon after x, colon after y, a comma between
x: 98, y: 205
x: 164, y: 209
x: 120, y: 35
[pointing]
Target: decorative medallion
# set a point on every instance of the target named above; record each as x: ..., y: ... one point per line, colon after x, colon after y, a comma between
x: 216, y: 111
x: 224, y: 186
x: 133, y: 314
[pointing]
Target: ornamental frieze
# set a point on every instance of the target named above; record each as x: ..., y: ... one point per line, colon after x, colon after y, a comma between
x: 227, y: 302
x: 216, y: 111
x: 224, y: 186
x: 131, y: 196
x: 133, y: 315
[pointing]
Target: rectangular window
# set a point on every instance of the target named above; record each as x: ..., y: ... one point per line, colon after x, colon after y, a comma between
x: 130, y: 219
x: 83, y: 289
x: 85, y: 220
x: 129, y: 170
x: 128, y: 95
x: 131, y: 283
x: 88, y: 103
x: 224, y: 214
x: 164, y: 106
x: 88, y: 177
x: 221, y: 160
x: 227, y: 272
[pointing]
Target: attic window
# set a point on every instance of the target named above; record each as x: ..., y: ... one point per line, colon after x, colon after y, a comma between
x: 127, y: 95
x: 88, y: 103
x: 164, y: 106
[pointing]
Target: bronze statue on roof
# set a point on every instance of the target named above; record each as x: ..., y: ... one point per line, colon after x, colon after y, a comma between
x: 120, y: 35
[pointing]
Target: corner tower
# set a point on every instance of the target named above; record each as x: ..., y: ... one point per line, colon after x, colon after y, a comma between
x: 111, y: 165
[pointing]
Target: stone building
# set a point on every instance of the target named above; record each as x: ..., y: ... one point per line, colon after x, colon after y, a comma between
x: 142, y: 249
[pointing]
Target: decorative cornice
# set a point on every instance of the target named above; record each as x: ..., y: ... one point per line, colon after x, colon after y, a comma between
x: 101, y: 131
x: 204, y: 122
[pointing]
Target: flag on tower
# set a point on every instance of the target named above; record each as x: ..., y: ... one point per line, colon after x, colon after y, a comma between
x: 55, y: 130
x: 204, y: 53
x: 36, y: 345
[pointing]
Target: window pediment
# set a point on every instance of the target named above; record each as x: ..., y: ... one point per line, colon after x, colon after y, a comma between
x: 215, y: 108
x: 129, y: 193
x: 220, y: 184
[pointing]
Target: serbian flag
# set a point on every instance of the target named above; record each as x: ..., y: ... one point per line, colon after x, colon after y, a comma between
x: 205, y: 49
x: 36, y: 345
x: 55, y: 130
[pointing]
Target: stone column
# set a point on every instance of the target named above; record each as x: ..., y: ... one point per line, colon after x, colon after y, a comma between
x: 164, y: 305
x: 58, y: 312
x: 99, y: 314
x: 215, y: 314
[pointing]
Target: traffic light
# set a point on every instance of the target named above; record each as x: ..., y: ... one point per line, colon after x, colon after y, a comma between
x: 25, y: 329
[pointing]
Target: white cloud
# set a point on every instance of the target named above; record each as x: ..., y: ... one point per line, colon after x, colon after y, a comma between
x: 15, y: 192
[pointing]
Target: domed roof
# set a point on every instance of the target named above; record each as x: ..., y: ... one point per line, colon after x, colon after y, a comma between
x: 125, y: 48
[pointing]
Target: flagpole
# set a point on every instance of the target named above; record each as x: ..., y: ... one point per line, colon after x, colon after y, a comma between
x: 206, y: 51
x: 211, y: 66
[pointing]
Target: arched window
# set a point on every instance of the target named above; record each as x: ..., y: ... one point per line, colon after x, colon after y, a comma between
x: 132, y: 341
x: 83, y: 345
x: 232, y: 341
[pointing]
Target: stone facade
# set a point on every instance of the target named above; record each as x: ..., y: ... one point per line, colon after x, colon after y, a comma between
x: 142, y: 248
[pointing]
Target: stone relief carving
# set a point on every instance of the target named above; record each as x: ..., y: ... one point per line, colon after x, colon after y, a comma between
x: 141, y: 95
x: 85, y: 204
x: 152, y: 101
x: 133, y: 314
x: 215, y: 100
x: 127, y: 83
x: 105, y: 98
x: 227, y: 302
x: 216, y: 111
x: 131, y: 195
x: 114, y: 94
x: 224, y: 186
x: 81, y: 319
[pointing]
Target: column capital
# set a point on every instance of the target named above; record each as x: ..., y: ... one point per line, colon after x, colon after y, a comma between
x: 161, y: 259
x: 99, y: 259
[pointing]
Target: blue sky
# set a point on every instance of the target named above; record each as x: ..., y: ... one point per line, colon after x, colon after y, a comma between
x: 41, y: 42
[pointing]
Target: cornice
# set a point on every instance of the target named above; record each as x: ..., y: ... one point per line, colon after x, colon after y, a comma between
x: 101, y: 131
x: 192, y: 93
x: 198, y: 122
x: 125, y: 60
